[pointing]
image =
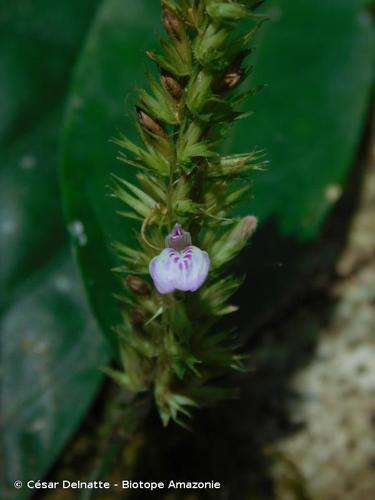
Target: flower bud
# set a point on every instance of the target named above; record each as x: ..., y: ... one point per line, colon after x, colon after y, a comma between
x: 171, y: 86
x: 137, y: 285
x: 173, y: 25
x: 244, y: 229
x: 149, y: 124
x: 226, y: 248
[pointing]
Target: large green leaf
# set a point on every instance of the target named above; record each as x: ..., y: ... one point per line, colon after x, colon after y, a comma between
x: 38, y: 43
x: 316, y: 58
x: 51, y: 358
x: 31, y: 225
x: 50, y: 346
x: 110, y: 69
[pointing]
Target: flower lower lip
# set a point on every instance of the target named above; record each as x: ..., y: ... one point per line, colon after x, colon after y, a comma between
x: 173, y: 270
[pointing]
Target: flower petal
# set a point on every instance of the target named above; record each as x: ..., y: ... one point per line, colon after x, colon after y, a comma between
x: 185, y: 271
x: 195, y: 266
x: 162, y: 272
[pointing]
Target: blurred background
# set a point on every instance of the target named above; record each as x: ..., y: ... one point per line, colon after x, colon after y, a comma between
x: 304, y: 426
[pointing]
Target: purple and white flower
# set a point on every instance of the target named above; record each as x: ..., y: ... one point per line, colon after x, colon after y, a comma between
x: 181, y: 265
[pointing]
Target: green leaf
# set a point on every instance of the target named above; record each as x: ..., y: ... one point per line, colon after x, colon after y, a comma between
x: 316, y: 58
x: 28, y: 192
x: 36, y: 54
x: 38, y: 43
x: 51, y: 355
x: 114, y: 59
x: 50, y: 346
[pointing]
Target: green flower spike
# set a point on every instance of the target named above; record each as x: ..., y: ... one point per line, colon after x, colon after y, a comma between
x: 168, y: 340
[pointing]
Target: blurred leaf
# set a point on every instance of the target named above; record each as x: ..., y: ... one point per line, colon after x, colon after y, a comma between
x: 36, y: 53
x: 38, y: 43
x: 110, y: 70
x: 51, y: 349
x: 316, y: 58
x: 51, y: 358
x: 31, y: 225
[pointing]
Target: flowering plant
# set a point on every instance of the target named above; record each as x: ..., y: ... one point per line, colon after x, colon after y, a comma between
x: 186, y: 192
